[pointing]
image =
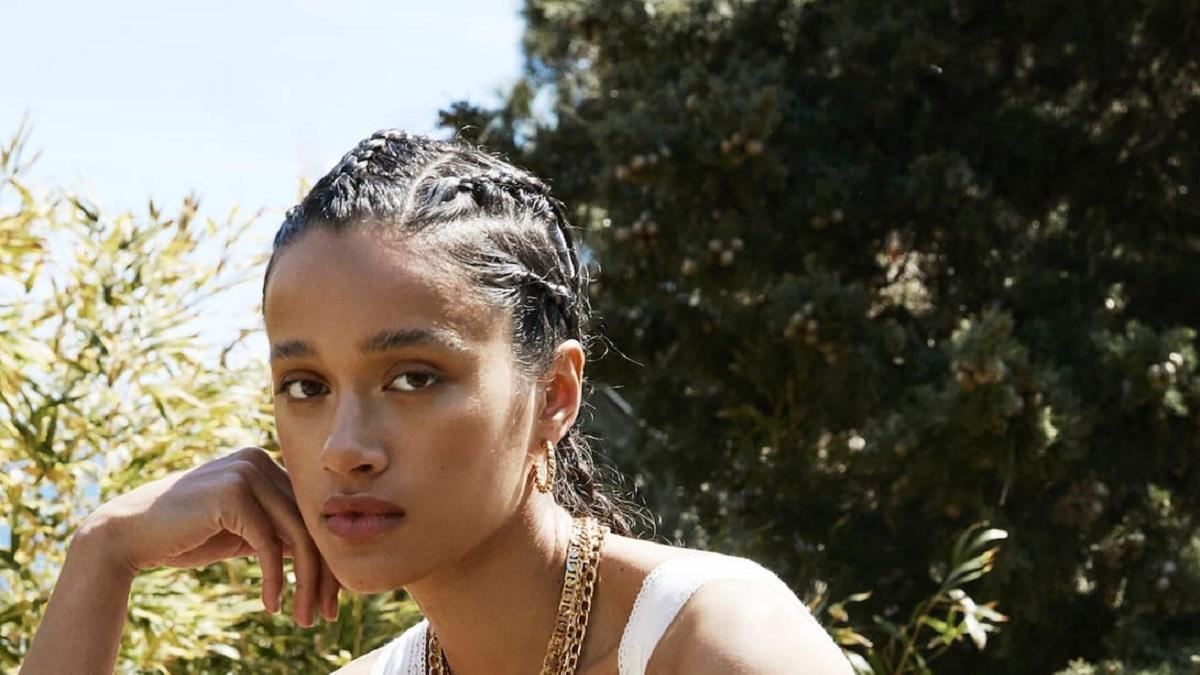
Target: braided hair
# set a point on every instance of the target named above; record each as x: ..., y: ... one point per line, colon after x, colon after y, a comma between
x: 498, y: 223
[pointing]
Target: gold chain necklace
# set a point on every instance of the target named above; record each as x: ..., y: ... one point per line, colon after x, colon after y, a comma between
x: 574, y: 606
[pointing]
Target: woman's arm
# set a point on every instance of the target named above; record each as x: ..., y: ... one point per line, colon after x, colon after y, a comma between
x: 235, y: 505
x: 81, y: 630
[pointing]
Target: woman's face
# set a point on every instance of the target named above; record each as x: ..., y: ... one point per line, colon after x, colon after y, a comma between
x: 439, y: 425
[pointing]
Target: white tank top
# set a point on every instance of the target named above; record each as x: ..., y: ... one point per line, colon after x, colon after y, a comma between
x: 663, y: 593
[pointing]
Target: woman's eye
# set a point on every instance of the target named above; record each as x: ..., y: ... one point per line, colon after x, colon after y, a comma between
x: 302, y: 389
x: 416, y: 380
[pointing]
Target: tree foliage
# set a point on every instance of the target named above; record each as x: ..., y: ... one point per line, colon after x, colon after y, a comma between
x: 106, y: 384
x: 875, y: 271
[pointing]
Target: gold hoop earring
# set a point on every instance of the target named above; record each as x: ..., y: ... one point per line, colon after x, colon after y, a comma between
x: 548, y: 485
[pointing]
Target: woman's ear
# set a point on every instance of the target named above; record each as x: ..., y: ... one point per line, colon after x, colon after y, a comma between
x: 562, y: 390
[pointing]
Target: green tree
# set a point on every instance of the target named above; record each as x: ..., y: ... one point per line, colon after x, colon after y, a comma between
x: 105, y: 384
x: 874, y: 271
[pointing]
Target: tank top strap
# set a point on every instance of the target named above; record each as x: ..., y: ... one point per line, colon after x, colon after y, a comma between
x: 405, y: 655
x: 665, y: 591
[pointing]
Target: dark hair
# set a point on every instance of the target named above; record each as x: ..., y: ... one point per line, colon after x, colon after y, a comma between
x: 498, y: 223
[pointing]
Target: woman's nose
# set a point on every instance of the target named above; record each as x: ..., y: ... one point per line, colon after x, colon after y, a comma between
x: 352, y: 446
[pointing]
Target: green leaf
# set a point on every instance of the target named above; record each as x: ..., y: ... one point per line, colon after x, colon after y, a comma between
x: 227, y: 651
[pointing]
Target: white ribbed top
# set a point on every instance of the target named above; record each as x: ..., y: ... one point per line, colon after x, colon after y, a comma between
x: 663, y: 593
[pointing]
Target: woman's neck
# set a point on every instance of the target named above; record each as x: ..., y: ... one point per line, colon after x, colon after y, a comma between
x: 494, y: 611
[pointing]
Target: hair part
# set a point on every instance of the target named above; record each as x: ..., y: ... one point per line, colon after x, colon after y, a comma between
x: 497, y: 223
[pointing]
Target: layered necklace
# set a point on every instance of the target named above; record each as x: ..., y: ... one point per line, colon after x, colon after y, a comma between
x: 574, y: 606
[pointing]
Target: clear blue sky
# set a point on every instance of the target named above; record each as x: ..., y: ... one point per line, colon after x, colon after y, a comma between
x: 236, y: 101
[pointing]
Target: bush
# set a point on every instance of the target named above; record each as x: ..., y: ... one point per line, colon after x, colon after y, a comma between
x: 106, y: 384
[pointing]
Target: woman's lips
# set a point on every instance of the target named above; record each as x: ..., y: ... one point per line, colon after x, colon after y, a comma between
x: 358, y: 517
x: 361, y: 526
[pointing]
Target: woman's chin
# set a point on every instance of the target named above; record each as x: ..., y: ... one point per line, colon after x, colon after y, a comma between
x: 365, y: 581
x: 364, y: 584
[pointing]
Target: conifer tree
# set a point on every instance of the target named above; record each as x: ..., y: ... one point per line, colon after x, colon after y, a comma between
x: 876, y: 271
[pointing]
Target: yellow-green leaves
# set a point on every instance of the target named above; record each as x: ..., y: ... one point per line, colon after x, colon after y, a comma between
x: 945, y: 618
x: 105, y: 383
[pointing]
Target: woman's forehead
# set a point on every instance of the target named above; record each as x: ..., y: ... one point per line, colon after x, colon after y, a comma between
x: 364, y: 280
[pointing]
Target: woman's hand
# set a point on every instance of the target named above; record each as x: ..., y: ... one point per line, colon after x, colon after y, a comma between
x: 236, y: 505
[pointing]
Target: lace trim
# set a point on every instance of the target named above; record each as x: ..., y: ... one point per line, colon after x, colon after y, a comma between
x: 404, y: 655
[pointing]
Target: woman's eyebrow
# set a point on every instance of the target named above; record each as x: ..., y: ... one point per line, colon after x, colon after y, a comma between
x: 383, y: 341
x: 387, y: 340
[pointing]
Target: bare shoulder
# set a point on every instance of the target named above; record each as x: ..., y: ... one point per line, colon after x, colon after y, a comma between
x: 637, y: 557
x: 626, y: 563
x: 361, y: 665
x: 745, y: 626
x: 624, y: 566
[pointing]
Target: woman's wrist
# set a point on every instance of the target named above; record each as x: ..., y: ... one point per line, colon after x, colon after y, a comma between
x: 97, y: 539
x: 81, y: 629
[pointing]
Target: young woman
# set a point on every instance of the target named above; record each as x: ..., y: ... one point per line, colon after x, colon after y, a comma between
x: 427, y: 316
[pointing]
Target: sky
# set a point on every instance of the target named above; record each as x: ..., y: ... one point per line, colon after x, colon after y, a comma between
x: 235, y: 102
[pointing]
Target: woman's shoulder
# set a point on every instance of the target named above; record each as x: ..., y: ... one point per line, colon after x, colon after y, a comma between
x: 694, y: 611
x: 745, y: 624
x: 633, y: 567
x: 633, y: 559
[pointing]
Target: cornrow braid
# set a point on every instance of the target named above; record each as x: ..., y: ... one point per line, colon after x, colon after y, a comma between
x: 529, y: 193
x: 500, y: 193
x: 501, y: 226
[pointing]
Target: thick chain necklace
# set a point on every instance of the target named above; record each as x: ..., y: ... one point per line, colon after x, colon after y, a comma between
x: 574, y: 606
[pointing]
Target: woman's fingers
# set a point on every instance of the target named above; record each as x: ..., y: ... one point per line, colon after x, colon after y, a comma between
x: 327, y: 594
x: 244, y: 517
x: 236, y: 505
x: 272, y: 470
x: 328, y: 587
x: 290, y: 527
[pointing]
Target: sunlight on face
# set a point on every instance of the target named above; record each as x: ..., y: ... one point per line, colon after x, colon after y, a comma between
x: 394, y: 379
